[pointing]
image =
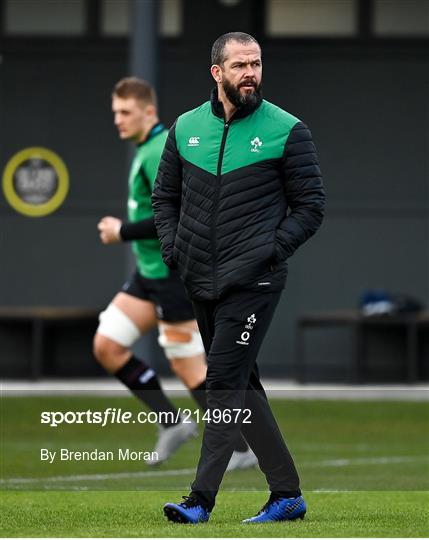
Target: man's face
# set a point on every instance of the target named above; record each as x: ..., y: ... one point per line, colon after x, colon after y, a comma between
x: 241, y: 73
x: 129, y: 116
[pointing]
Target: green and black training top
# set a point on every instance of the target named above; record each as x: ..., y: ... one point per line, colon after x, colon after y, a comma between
x: 233, y: 200
x: 141, y: 228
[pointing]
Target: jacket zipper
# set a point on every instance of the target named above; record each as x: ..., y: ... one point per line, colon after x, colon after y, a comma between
x: 216, y: 203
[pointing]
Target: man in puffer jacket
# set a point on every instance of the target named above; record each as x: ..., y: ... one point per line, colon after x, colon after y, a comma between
x: 238, y: 190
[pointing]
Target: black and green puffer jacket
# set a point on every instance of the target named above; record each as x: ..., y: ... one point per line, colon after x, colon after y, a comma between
x: 233, y: 201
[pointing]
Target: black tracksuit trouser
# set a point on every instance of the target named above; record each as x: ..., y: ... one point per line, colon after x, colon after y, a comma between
x: 233, y: 329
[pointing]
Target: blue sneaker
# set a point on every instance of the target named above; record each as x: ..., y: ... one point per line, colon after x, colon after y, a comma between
x: 190, y: 511
x: 280, y: 510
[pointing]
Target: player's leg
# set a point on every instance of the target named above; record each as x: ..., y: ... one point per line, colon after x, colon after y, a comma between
x: 183, y: 347
x: 121, y: 324
x: 242, y: 321
x: 180, y: 338
x: 125, y: 319
x: 178, y: 333
x: 285, y: 501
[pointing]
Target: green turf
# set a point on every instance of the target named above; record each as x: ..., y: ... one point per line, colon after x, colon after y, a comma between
x: 364, y: 469
x: 138, y: 514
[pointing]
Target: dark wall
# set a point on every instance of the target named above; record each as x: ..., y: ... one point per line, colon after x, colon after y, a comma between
x: 367, y: 106
x: 369, y: 113
x: 61, y: 100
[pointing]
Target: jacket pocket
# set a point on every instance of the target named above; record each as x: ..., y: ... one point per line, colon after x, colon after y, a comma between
x: 175, y: 254
x: 280, y: 254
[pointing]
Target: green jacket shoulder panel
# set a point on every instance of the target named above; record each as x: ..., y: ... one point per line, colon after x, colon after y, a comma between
x: 258, y: 137
x: 198, y: 137
x: 277, y: 114
x: 189, y: 116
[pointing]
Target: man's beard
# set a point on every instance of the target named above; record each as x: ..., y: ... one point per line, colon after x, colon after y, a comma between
x: 239, y: 100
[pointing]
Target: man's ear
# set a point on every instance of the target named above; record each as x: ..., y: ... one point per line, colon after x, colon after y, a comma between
x: 216, y: 72
x: 150, y: 110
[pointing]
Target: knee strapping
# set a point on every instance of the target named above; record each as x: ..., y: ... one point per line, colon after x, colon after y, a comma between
x: 117, y: 326
x: 180, y: 343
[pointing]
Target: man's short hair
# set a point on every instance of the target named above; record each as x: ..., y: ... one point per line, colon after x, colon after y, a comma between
x: 133, y: 87
x: 218, y: 49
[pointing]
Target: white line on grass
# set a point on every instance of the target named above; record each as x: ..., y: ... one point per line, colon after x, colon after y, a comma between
x: 183, y: 472
x: 96, y: 477
x: 366, y: 461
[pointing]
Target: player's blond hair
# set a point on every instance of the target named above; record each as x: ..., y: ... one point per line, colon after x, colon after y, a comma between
x: 133, y: 87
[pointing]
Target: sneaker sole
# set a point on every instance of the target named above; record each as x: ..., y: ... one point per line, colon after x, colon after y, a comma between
x: 298, y: 516
x: 175, y: 516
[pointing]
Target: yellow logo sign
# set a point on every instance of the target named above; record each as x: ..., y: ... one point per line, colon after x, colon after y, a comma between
x: 35, y: 182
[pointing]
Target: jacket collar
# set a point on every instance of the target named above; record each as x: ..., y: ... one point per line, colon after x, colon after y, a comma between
x: 242, y: 112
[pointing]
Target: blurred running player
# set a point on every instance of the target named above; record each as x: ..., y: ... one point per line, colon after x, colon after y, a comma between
x: 155, y: 295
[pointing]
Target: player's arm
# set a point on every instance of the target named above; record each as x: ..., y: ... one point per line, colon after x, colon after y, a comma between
x: 113, y: 230
x: 304, y: 192
x: 138, y: 230
x: 166, y: 197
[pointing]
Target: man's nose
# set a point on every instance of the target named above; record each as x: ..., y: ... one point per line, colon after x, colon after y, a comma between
x: 249, y: 72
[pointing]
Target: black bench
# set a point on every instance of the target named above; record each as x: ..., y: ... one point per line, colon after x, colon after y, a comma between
x: 411, y: 323
x: 37, y: 322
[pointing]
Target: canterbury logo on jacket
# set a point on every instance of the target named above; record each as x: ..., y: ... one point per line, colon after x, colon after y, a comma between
x: 232, y: 201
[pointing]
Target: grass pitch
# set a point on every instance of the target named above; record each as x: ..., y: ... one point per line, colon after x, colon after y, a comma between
x: 138, y: 514
x: 364, y: 469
